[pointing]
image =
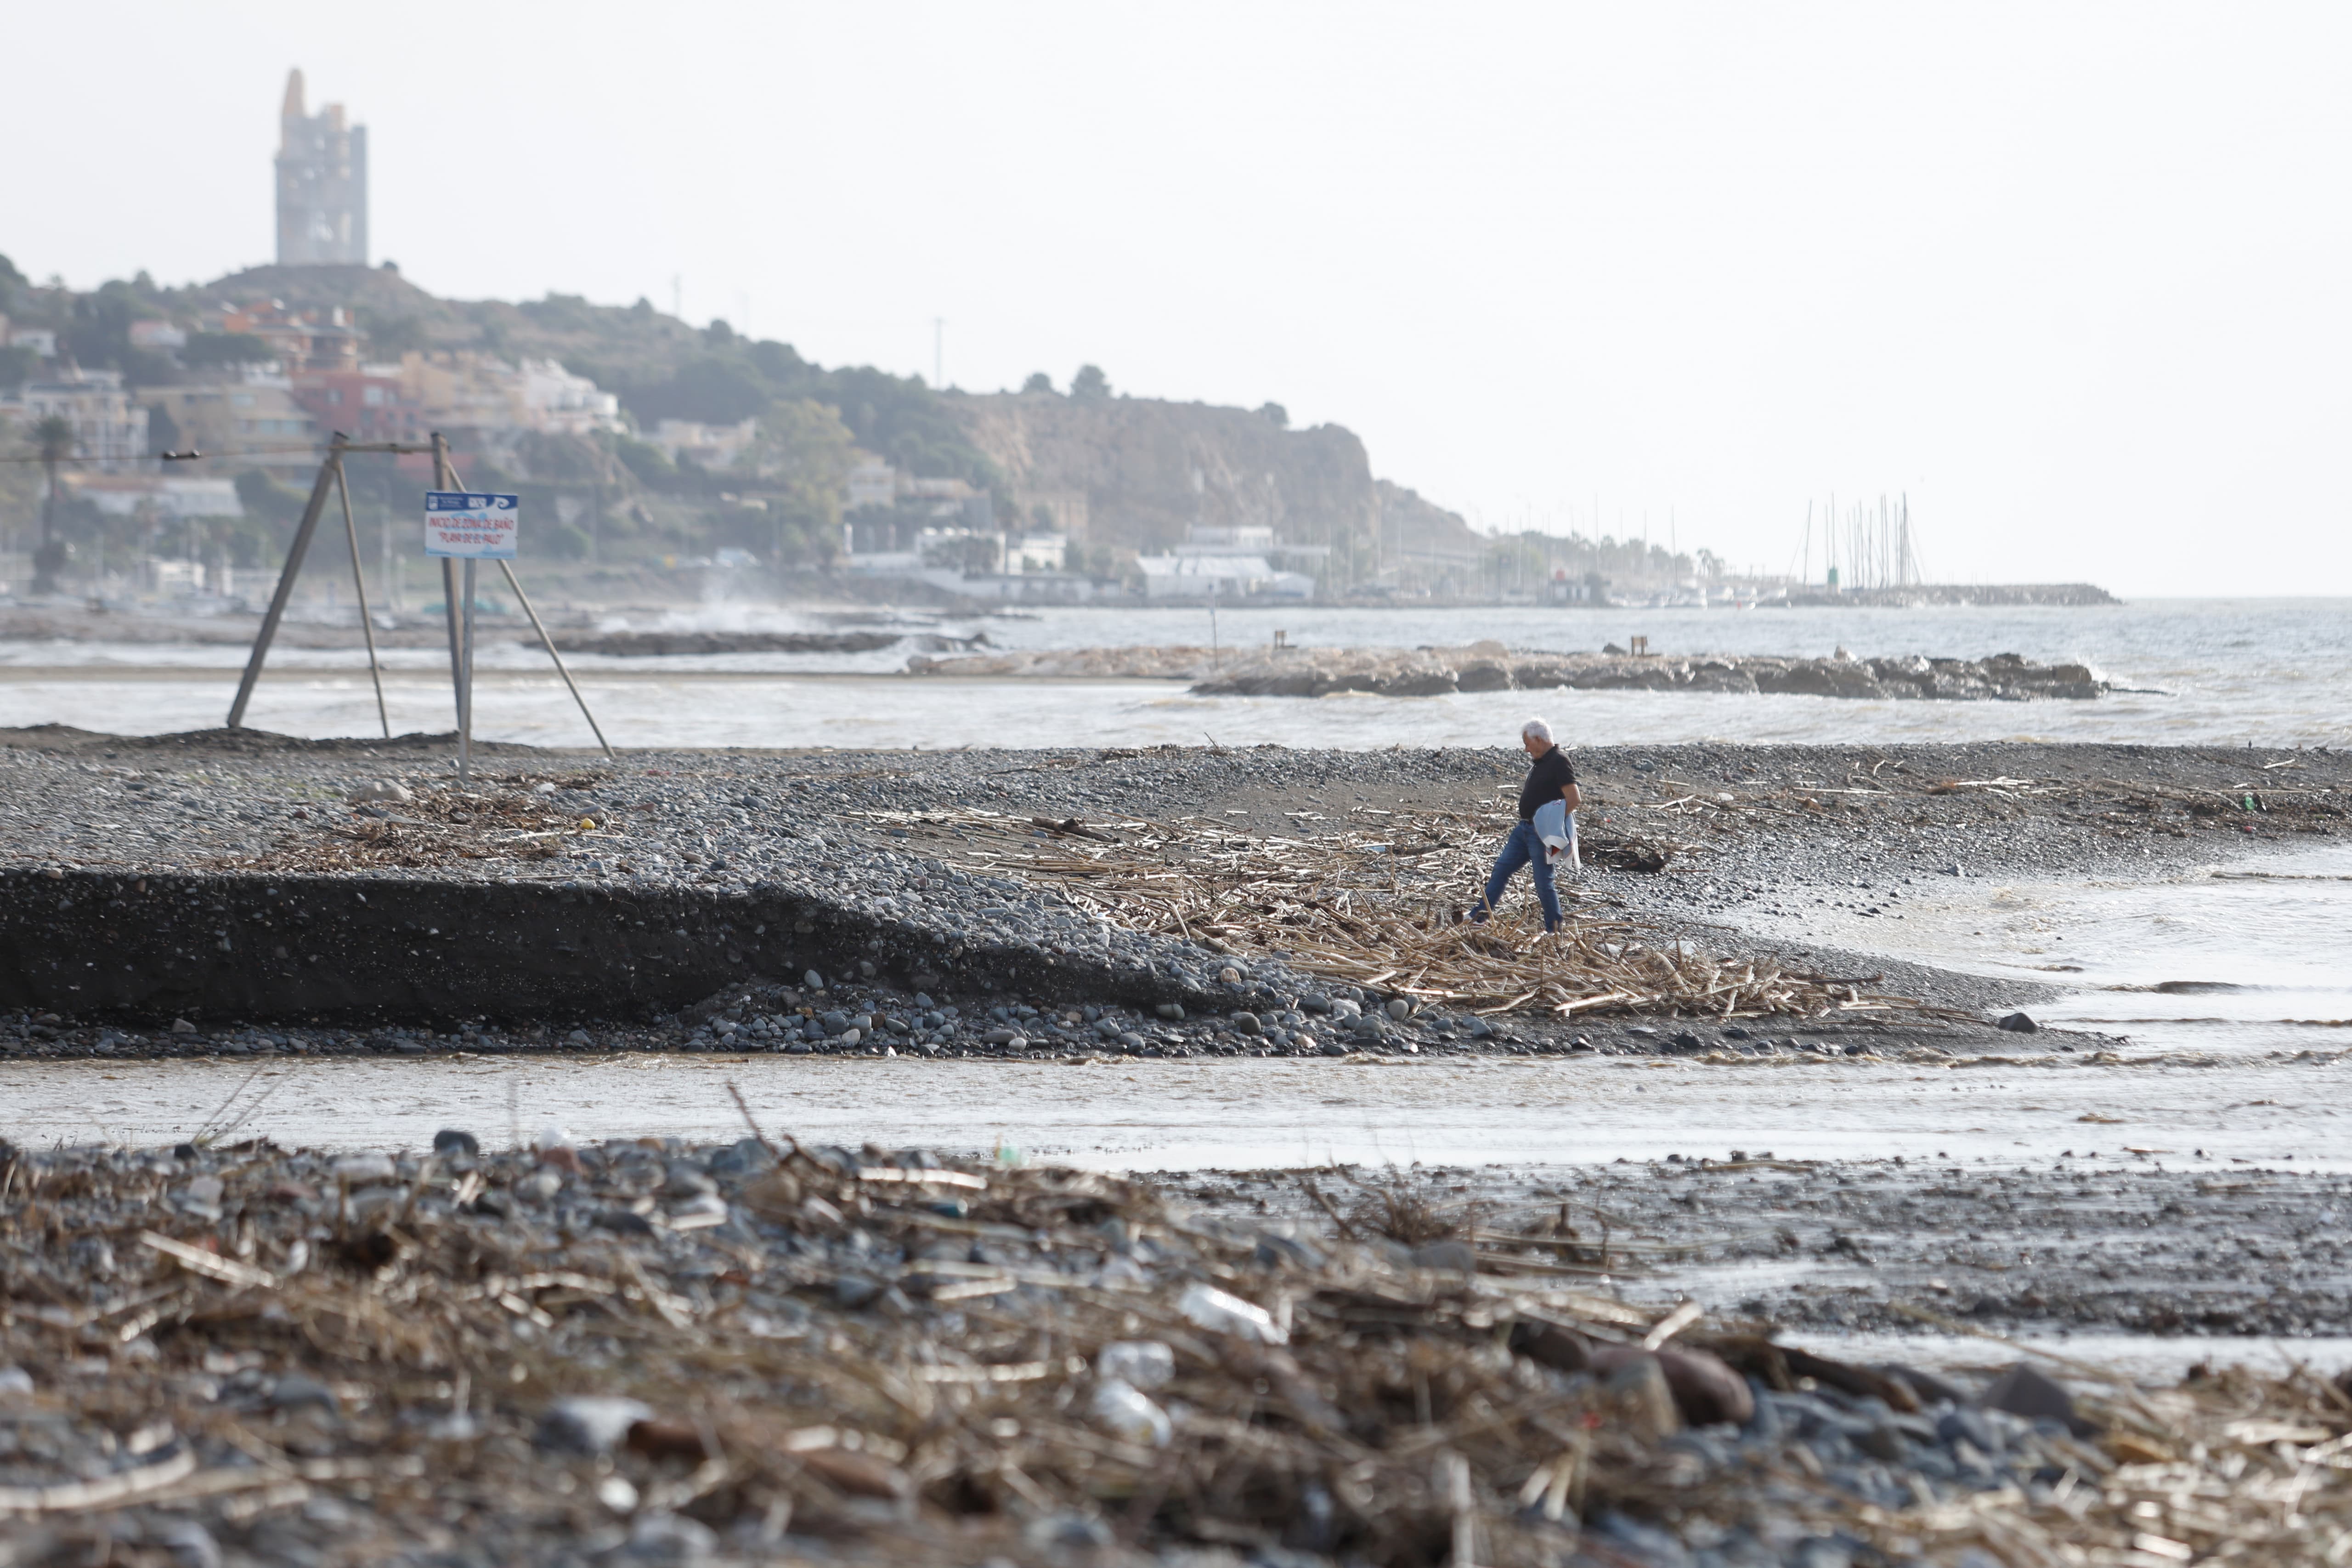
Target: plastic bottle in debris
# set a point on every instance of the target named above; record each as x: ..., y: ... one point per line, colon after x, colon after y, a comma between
x: 1126, y: 1413
x: 1141, y: 1363
x: 1213, y: 1309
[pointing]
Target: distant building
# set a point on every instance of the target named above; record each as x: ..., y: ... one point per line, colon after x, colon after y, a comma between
x: 125, y: 495
x: 255, y: 416
x: 41, y: 339
x: 322, y: 184
x: 464, y: 390
x: 1037, y: 553
x: 555, y: 400
x: 712, y: 445
x: 368, y: 404
x: 298, y: 339
x: 1240, y: 540
x: 871, y: 483
x: 1198, y: 576
x: 157, y: 336
x: 107, y: 429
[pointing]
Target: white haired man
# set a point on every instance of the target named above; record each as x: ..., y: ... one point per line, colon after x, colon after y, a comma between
x: 1549, y: 778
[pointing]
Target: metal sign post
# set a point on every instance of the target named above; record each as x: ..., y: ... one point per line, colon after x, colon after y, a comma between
x: 445, y: 477
x: 471, y: 527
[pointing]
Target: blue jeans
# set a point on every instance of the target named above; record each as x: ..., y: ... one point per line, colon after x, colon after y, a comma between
x: 1522, y: 848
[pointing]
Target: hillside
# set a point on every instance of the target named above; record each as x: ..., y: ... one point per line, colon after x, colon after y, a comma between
x: 1143, y: 471
x: 1121, y: 475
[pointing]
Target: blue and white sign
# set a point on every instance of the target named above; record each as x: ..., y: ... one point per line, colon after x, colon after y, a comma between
x: 470, y: 523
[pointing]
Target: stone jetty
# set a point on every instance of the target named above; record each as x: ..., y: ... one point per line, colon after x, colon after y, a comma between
x: 1491, y: 667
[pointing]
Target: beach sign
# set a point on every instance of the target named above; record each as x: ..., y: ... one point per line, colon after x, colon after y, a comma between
x: 471, y: 524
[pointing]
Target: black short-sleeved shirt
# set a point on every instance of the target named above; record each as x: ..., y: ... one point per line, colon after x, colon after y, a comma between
x: 1547, y: 775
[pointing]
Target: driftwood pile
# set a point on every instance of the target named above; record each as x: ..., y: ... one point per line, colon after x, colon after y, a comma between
x: 644, y: 1352
x: 1382, y: 906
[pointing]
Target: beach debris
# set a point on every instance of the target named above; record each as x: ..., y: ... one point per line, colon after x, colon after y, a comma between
x: 2018, y: 1024
x: 1128, y: 1414
x: 1377, y: 908
x: 1070, y: 1364
x: 590, y: 1424
x: 1141, y: 1363
x: 1206, y: 1307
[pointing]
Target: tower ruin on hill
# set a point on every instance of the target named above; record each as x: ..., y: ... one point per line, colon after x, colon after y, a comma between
x: 322, y: 184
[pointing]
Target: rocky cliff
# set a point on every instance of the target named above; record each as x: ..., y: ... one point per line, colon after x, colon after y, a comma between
x: 1136, y: 473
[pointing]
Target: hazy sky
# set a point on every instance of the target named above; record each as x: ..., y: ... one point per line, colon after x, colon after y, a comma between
x: 2074, y: 277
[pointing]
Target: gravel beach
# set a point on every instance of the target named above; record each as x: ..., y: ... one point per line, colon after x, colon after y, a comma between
x: 241, y: 861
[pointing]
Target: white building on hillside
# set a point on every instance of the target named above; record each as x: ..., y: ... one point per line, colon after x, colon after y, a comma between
x: 125, y: 495
x: 108, y: 431
x: 712, y: 445
x: 555, y: 400
x: 1198, y: 576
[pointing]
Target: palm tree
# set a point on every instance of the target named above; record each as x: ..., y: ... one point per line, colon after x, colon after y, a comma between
x: 54, y: 436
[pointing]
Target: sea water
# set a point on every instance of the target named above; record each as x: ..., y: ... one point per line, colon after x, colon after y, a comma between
x: 2266, y: 672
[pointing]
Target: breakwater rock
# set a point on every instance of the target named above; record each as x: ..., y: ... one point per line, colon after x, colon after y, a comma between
x: 2068, y: 595
x: 1489, y: 666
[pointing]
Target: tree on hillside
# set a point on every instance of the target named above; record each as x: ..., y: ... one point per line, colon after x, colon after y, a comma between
x: 1089, y: 386
x: 714, y: 389
x: 804, y: 451
x: 648, y: 462
x: 1038, y: 382
x: 1276, y: 415
x: 53, y: 438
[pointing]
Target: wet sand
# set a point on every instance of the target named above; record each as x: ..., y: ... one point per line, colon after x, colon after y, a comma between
x: 1140, y: 1115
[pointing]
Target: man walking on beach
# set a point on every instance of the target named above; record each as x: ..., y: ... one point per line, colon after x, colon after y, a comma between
x: 1549, y: 778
